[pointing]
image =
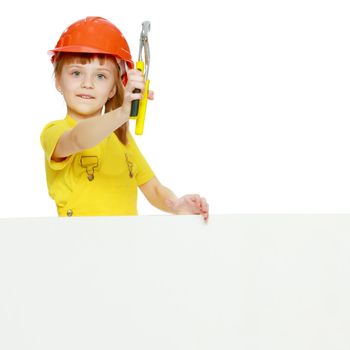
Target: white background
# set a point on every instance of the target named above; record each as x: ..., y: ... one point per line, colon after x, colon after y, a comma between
x: 251, y: 109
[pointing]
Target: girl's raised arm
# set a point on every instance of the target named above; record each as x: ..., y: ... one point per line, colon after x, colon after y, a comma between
x: 88, y: 133
x: 91, y: 131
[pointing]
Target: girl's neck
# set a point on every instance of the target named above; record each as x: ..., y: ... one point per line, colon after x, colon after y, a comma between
x: 78, y: 117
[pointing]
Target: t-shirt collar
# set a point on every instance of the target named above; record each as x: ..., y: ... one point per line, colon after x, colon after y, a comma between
x: 70, y: 120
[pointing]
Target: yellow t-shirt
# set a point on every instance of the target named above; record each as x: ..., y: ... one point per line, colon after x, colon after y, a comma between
x: 101, y: 180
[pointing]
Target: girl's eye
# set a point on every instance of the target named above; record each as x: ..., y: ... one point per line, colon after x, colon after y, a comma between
x: 76, y: 73
x: 101, y: 76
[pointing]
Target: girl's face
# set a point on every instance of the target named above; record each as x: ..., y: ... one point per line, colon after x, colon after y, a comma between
x: 87, y: 87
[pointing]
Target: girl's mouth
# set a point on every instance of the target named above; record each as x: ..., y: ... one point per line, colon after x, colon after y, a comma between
x: 86, y: 97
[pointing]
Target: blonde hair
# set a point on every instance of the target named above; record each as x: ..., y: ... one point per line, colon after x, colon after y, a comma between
x: 63, y: 58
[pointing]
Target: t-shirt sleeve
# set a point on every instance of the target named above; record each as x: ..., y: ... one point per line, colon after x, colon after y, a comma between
x: 49, y: 138
x: 144, y: 172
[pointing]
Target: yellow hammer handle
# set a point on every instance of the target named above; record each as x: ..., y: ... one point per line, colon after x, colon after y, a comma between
x: 142, y: 104
x: 140, y: 121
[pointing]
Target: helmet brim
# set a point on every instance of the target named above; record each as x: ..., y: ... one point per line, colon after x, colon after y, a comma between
x: 87, y: 49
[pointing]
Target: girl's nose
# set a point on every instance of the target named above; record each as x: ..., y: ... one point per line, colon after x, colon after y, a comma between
x: 87, y: 82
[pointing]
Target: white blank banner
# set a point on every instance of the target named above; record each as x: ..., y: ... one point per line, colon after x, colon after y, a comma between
x: 173, y: 282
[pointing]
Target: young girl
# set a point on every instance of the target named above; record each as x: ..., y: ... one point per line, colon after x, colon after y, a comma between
x: 93, y: 165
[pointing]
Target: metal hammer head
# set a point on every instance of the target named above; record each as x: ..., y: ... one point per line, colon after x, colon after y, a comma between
x: 146, y: 28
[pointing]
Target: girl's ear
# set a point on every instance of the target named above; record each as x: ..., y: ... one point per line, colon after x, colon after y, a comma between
x: 112, y: 93
x: 58, y: 86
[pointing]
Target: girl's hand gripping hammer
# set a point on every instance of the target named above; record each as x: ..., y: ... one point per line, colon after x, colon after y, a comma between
x: 138, y: 107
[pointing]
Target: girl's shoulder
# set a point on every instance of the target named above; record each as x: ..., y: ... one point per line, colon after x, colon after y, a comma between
x: 55, y: 127
x: 64, y: 122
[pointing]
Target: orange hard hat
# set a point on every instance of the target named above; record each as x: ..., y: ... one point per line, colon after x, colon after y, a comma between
x: 94, y: 35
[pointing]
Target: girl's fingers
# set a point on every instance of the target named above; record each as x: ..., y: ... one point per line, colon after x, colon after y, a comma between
x: 204, y: 209
x: 137, y: 77
x: 136, y: 97
x: 194, y: 204
x: 136, y: 80
x: 134, y: 73
x: 206, y: 214
x: 150, y: 95
x: 193, y: 199
x: 204, y: 205
x: 131, y: 97
x: 135, y: 85
x: 197, y: 200
x: 206, y: 217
